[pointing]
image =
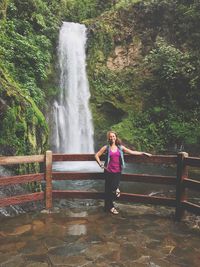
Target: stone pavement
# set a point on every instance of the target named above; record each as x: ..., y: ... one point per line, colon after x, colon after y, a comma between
x: 86, y: 236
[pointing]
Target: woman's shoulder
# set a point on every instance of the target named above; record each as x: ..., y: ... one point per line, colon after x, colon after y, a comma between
x: 105, y: 147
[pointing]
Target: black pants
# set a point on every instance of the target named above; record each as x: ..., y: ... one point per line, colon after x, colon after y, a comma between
x: 112, y: 181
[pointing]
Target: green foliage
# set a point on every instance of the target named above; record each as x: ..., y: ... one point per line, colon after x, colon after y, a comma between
x: 137, y: 130
x: 152, y: 102
x: 27, y: 37
x: 168, y: 62
x: 78, y: 11
x: 126, y: 3
x: 170, y: 73
x: 160, y: 96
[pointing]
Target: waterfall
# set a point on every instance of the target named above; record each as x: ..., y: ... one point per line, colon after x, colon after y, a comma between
x: 72, y: 120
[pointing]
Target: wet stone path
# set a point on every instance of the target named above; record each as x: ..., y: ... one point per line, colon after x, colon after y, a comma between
x: 86, y: 236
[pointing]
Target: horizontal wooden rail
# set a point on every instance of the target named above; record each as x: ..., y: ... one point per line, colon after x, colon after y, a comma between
x: 21, y: 159
x: 192, y: 184
x: 19, y: 179
x: 155, y: 159
x: 21, y: 199
x: 192, y: 161
x: 145, y: 178
x: 73, y: 157
x: 191, y: 207
x: 158, y: 159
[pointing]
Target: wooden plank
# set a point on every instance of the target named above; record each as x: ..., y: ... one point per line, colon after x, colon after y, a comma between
x: 21, y: 159
x: 19, y: 179
x: 154, y: 159
x: 192, y: 184
x: 182, y: 173
x: 169, y: 159
x: 191, y: 207
x: 15, y: 200
x: 145, y: 178
x: 157, y: 159
x: 48, y: 178
x: 73, y: 157
x: 192, y: 161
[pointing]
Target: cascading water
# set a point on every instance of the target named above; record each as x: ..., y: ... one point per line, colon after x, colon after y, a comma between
x: 73, y: 129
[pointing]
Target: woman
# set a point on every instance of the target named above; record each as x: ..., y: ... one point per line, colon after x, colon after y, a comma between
x: 113, y: 165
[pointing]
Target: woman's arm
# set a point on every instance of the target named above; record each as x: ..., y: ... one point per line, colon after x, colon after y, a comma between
x: 132, y: 152
x: 98, y: 155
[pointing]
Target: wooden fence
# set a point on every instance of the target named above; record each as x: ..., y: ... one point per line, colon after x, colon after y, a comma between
x: 181, y: 181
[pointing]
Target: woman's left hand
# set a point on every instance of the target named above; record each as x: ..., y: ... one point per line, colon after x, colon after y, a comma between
x: 147, y: 154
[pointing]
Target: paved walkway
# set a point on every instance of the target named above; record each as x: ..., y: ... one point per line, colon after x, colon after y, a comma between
x: 85, y: 236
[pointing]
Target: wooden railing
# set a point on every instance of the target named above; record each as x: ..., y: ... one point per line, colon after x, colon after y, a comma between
x: 181, y: 181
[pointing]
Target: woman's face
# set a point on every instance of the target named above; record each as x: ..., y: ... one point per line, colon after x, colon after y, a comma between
x: 112, y: 138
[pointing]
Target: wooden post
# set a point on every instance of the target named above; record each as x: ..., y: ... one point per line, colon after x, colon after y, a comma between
x: 182, y: 172
x: 48, y: 178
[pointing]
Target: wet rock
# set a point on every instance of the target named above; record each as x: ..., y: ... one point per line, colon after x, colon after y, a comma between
x: 12, y: 246
x: 168, y: 245
x: 129, y: 252
x: 126, y: 240
x: 2, y: 234
x: 38, y: 226
x: 138, y: 239
x: 94, y: 238
x: 68, y: 250
x: 143, y: 259
x: 77, y: 229
x: 34, y: 248
x: 51, y: 242
x: 8, y: 260
x: 21, y: 230
x: 70, y: 261
x: 70, y: 238
x: 78, y: 214
x: 98, y: 250
x: 110, y: 264
x: 37, y: 264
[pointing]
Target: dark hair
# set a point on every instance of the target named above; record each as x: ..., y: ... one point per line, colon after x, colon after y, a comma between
x: 118, y: 141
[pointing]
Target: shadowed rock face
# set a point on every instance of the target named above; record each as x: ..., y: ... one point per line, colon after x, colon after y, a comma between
x: 124, y: 56
x: 86, y: 236
x: 116, y: 114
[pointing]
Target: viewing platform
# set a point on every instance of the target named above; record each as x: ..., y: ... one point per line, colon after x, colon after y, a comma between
x: 84, y: 235
x: 73, y: 230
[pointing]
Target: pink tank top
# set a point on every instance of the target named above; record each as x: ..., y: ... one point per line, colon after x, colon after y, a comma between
x: 114, y: 163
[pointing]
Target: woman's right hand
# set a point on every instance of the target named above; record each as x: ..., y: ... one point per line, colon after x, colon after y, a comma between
x: 102, y: 166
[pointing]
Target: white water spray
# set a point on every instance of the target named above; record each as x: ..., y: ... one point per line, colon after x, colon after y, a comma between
x: 73, y: 129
